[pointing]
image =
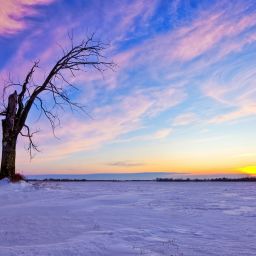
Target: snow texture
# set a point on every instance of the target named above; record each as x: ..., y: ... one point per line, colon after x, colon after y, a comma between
x: 127, y: 218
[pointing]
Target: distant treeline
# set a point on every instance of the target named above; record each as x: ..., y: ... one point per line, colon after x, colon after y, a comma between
x: 58, y: 180
x: 243, y: 179
x: 67, y: 180
x: 224, y: 179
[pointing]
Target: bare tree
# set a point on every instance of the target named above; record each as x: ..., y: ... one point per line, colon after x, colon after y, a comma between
x: 55, y: 87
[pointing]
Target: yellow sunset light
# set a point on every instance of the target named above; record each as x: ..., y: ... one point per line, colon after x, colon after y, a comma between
x: 251, y: 170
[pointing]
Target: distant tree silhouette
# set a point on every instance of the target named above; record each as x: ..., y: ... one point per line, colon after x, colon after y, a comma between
x: 29, y: 94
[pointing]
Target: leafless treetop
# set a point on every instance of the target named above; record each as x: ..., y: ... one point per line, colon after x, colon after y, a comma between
x: 79, y: 57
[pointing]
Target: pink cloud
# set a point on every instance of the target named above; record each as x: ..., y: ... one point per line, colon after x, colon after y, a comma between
x: 237, y: 93
x: 109, y: 123
x: 163, y: 133
x: 128, y: 13
x: 212, y: 29
x: 185, y: 119
x: 189, y: 41
x: 243, y: 111
x: 13, y: 12
x: 157, y: 135
x: 183, y: 44
x: 206, y: 32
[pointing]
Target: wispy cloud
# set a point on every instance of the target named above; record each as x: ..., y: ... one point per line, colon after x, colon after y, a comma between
x: 125, y: 164
x: 236, y: 93
x: 185, y: 119
x: 161, y: 134
x: 109, y: 123
x: 198, y: 69
x: 14, y: 12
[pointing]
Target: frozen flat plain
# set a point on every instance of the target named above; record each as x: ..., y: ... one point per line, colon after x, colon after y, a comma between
x: 128, y: 218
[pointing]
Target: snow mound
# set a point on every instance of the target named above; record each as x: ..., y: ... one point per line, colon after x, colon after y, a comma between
x: 4, y: 182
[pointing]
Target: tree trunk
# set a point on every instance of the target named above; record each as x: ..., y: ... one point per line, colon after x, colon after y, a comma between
x: 8, y: 155
x: 9, y: 139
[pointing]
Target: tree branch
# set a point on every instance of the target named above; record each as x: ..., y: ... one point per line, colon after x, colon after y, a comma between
x: 86, y: 54
x: 31, y: 146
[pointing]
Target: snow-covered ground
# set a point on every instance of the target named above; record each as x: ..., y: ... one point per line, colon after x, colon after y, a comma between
x: 128, y: 218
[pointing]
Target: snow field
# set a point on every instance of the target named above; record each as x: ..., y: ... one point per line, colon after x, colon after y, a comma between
x: 127, y: 218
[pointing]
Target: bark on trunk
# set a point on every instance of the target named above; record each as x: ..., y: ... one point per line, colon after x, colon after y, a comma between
x: 8, y: 156
x: 9, y: 139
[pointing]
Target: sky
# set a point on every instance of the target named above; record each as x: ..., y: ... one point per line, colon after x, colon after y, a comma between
x: 181, y: 98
